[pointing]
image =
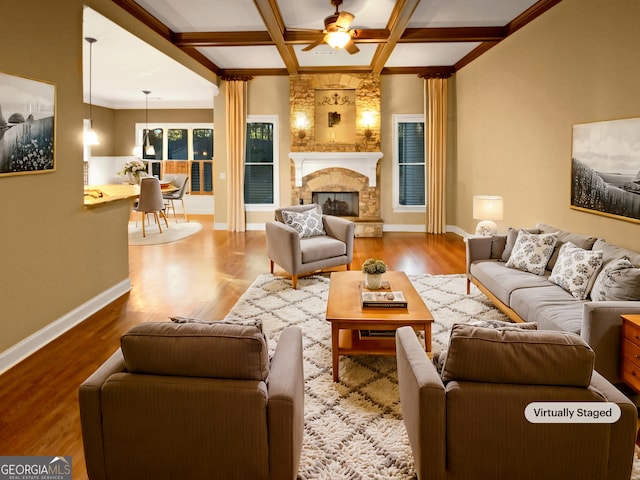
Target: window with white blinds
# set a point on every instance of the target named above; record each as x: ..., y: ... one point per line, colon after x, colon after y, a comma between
x: 409, y: 162
x: 261, y: 162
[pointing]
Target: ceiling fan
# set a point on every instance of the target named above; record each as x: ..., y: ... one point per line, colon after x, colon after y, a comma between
x: 336, y: 31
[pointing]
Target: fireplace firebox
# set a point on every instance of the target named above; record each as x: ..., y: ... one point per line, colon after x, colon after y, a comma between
x: 340, y: 204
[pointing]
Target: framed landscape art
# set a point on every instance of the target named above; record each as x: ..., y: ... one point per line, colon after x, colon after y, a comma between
x: 605, y: 168
x: 27, y: 126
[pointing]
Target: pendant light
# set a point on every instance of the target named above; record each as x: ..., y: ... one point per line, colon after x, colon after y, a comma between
x: 149, y: 150
x: 90, y: 136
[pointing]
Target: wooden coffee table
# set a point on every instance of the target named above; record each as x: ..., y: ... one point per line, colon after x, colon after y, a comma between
x: 348, y: 318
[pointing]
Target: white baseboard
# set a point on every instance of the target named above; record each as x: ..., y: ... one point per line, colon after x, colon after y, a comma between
x: 39, y: 339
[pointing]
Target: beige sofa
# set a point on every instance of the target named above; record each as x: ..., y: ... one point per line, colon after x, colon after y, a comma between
x: 471, y: 422
x: 529, y: 297
x: 194, y: 401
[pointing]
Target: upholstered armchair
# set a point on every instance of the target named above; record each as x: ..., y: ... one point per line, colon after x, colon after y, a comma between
x: 302, y: 240
x: 470, y: 422
x: 195, y: 401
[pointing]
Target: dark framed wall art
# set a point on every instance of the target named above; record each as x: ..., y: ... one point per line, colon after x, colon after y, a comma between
x: 605, y: 168
x: 27, y: 125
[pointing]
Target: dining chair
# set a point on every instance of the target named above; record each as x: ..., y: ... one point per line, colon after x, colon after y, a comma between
x: 151, y: 201
x: 180, y: 181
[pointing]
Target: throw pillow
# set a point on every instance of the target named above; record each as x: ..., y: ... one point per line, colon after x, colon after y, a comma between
x: 531, y: 252
x: 512, y: 235
x: 619, y: 280
x: 579, y: 240
x: 576, y: 269
x: 307, y: 224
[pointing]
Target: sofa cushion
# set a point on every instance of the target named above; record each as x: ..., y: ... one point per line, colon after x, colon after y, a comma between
x: 619, y: 280
x: 307, y: 223
x: 498, y: 243
x: 579, y: 240
x: 531, y: 252
x: 552, y: 308
x: 216, y: 350
x: 527, y: 357
x: 613, y: 252
x: 320, y: 248
x: 512, y: 235
x: 502, y: 281
x: 576, y: 269
x: 439, y: 358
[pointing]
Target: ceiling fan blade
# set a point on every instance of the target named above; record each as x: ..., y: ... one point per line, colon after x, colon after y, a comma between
x: 313, y: 45
x: 351, y: 47
x: 344, y: 20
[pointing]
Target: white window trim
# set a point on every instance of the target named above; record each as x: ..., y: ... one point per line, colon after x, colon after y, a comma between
x: 396, y: 119
x: 141, y: 127
x: 268, y: 207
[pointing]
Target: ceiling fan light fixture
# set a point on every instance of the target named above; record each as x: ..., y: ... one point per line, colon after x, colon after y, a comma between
x: 338, y: 39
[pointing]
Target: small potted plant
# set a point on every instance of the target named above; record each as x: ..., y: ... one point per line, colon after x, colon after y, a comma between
x: 374, y: 270
x: 134, y: 169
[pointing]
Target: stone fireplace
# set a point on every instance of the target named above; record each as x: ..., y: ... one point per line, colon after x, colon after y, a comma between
x: 341, y: 172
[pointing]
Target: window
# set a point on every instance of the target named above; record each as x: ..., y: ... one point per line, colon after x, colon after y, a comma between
x: 181, y: 148
x: 261, y: 162
x: 409, y: 191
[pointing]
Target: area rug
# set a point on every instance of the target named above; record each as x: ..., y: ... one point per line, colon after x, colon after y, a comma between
x: 354, y: 428
x: 175, y: 232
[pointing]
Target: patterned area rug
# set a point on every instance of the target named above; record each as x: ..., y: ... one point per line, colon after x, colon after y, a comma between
x: 354, y: 428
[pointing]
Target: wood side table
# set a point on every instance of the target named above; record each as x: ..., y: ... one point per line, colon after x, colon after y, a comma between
x: 348, y: 318
x: 631, y: 351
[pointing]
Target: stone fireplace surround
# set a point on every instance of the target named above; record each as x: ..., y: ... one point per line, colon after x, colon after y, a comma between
x: 341, y: 172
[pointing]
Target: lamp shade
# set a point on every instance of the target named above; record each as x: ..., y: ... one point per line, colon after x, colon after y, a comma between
x: 487, y: 207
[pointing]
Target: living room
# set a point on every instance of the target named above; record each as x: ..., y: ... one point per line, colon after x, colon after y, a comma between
x: 511, y: 118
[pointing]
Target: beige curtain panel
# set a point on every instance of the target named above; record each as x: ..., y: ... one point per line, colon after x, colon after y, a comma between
x: 436, y: 109
x: 236, y: 116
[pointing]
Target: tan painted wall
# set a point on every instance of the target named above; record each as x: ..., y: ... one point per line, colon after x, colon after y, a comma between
x: 400, y: 94
x: 577, y: 63
x: 56, y: 255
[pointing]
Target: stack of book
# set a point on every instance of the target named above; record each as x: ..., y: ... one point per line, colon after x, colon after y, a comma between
x: 382, y: 299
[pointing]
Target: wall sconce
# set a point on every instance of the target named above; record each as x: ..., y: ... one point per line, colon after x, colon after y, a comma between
x: 487, y: 208
x: 301, y: 124
x: 368, y: 120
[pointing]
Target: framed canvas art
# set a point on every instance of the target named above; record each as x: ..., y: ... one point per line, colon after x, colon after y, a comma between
x: 605, y: 168
x: 27, y: 126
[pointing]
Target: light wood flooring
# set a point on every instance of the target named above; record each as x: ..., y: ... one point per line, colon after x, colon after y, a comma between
x: 200, y: 277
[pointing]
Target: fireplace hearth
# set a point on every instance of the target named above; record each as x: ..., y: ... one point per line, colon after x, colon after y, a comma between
x: 339, y: 204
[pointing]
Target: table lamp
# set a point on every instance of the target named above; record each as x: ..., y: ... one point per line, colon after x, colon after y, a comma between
x: 487, y: 209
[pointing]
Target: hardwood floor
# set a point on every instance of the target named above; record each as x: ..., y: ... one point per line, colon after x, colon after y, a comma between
x: 201, y: 277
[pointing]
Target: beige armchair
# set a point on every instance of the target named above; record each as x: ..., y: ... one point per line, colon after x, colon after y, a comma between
x: 299, y: 256
x: 470, y: 422
x: 195, y: 401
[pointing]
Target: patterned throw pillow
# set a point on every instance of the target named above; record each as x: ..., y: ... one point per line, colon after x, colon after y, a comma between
x: 619, y: 280
x: 532, y: 252
x: 307, y: 224
x: 576, y: 269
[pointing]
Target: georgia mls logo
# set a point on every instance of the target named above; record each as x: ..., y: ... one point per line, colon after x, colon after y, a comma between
x: 35, y: 468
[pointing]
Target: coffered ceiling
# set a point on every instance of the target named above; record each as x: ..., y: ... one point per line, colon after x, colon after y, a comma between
x: 267, y: 37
